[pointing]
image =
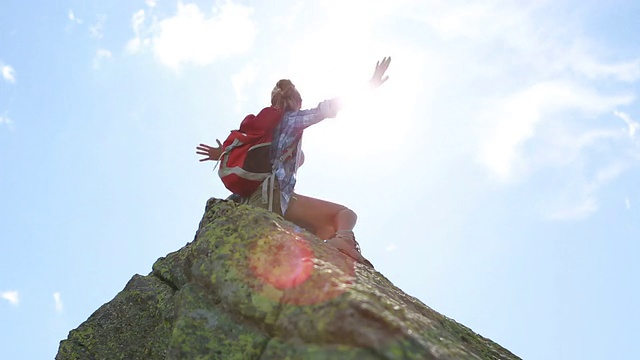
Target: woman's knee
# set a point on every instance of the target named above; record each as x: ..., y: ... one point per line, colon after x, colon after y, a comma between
x: 345, y: 219
x: 348, y: 213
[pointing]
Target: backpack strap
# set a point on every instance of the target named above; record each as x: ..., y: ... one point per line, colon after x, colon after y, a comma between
x: 226, y: 150
x: 267, y: 191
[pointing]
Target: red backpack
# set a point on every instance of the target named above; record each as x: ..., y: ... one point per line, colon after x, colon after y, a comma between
x: 245, y: 161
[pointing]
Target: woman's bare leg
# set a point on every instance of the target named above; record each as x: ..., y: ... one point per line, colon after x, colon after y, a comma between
x: 328, y: 220
x: 325, y: 217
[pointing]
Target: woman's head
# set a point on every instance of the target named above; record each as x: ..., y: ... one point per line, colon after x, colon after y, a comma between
x: 285, y: 96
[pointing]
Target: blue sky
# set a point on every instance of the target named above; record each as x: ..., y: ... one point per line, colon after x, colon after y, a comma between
x: 495, y: 175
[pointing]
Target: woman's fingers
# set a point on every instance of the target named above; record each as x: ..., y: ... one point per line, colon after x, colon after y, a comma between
x: 381, y: 68
x: 209, y: 151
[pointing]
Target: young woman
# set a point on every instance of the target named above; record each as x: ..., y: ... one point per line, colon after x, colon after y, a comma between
x: 331, y: 222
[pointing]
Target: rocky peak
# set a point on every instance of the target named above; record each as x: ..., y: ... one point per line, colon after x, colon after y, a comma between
x: 254, y: 286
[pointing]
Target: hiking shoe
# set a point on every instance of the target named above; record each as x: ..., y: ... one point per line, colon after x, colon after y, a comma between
x: 345, y: 242
x: 235, y: 198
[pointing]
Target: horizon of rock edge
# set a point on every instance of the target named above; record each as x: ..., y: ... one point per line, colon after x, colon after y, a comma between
x: 254, y: 286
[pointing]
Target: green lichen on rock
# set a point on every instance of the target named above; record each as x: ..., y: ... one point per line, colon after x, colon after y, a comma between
x: 134, y: 325
x: 205, y: 329
x: 253, y: 286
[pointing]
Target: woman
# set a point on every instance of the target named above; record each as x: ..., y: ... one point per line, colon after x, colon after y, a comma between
x: 329, y: 221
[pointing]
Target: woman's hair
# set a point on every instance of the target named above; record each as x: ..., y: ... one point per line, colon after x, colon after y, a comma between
x: 285, y: 96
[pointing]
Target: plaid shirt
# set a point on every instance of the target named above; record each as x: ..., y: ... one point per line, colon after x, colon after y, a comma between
x: 286, y: 155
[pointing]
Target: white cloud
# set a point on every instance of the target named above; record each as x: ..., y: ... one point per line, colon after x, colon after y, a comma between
x: 137, y: 23
x: 527, y: 69
x: 5, y: 120
x: 391, y: 247
x: 57, y: 299
x: 579, y: 211
x: 8, y: 73
x: 627, y: 203
x: 192, y: 37
x: 151, y: 3
x: 633, y: 125
x: 101, y: 54
x: 625, y: 71
x: 563, y: 148
x: 72, y: 17
x: 13, y: 297
x: 514, y: 119
x: 579, y: 200
x: 96, y: 30
x: 608, y: 174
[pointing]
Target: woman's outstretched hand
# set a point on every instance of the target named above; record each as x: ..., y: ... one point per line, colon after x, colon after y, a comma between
x: 378, y: 77
x: 211, y: 153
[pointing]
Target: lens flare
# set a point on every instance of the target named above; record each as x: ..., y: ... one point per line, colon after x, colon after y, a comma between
x: 289, y: 271
x: 283, y: 263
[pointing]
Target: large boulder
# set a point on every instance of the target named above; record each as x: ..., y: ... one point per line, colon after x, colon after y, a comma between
x: 254, y: 286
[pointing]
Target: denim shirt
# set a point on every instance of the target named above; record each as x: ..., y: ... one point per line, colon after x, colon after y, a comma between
x: 286, y: 155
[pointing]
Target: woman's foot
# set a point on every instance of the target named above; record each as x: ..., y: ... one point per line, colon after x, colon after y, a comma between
x: 345, y: 242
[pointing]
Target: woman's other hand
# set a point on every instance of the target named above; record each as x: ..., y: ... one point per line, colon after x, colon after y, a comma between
x: 211, y: 153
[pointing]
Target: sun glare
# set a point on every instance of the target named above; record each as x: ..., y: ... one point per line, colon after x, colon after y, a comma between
x: 372, y: 120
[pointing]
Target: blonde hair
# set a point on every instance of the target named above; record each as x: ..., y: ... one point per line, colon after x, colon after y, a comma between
x: 285, y: 96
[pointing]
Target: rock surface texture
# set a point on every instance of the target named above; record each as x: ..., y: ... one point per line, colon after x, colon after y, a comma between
x: 254, y: 286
